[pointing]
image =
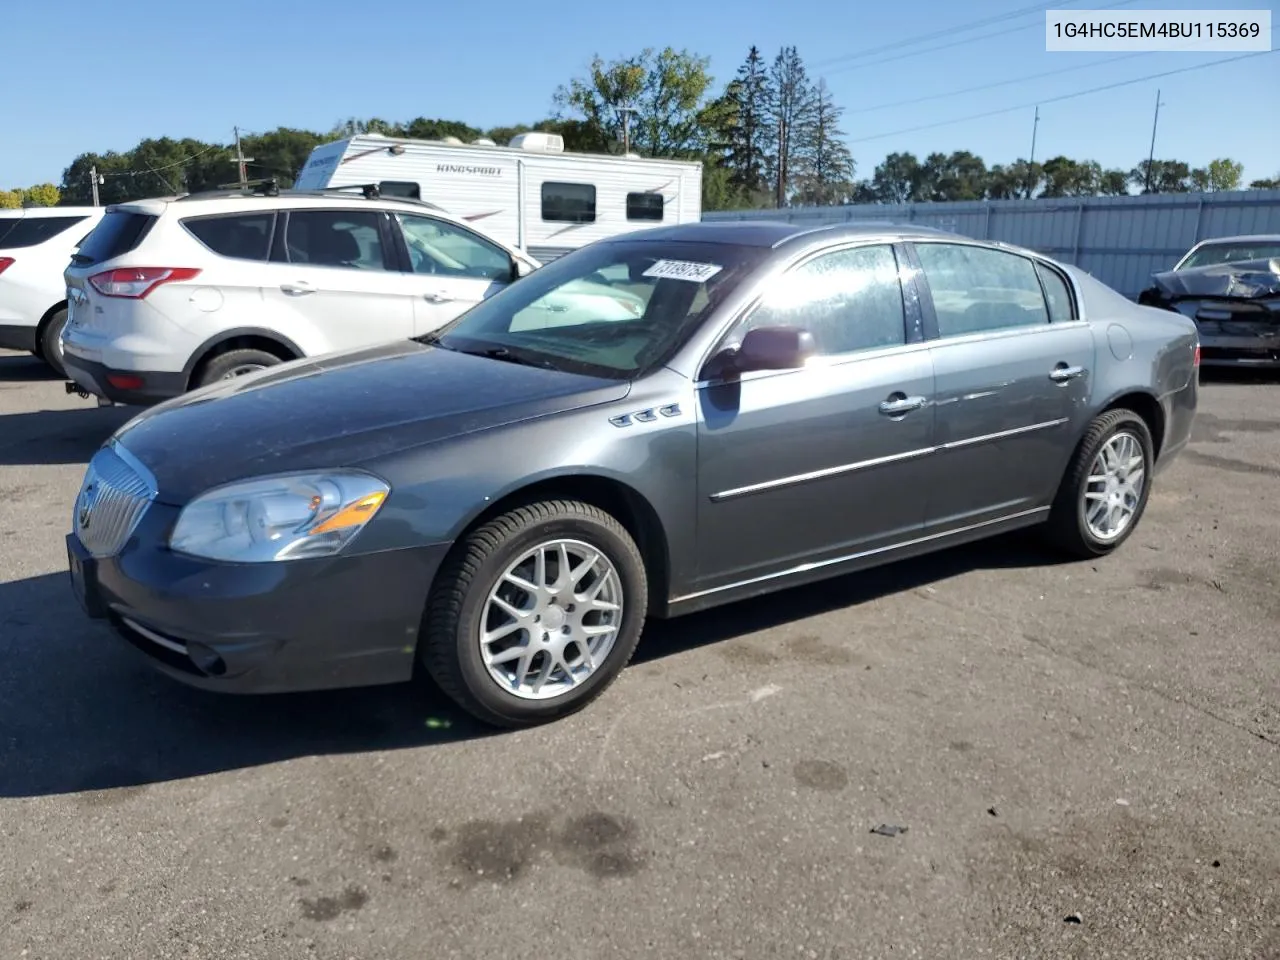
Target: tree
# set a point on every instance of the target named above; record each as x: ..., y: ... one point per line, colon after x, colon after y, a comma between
x: 1065, y: 177
x: 1113, y: 183
x: 280, y: 153
x: 423, y: 129
x: 792, y: 108
x: 10, y: 199
x: 747, y: 134
x: 960, y: 176
x: 1221, y: 174
x: 41, y: 195
x: 824, y: 165
x: 1166, y: 176
x: 1270, y: 183
x: 897, y: 179
x: 652, y: 100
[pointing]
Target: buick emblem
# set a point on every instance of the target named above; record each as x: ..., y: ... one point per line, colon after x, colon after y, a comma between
x: 86, y: 506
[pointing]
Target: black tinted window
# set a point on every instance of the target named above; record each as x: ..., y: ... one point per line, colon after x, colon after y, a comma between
x: 644, y: 206
x: 116, y: 233
x: 569, y: 202
x: 31, y: 231
x: 335, y: 238
x: 1057, y: 295
x: 976, y: 289
x: 849, y: 300
x: 243, y: 236
x: 400, y: 188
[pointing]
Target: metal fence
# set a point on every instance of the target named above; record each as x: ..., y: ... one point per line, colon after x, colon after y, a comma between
x: 1120, y: 240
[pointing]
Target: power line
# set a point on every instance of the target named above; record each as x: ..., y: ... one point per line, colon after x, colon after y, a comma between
x: 1065, y: 96
x: 949, y: 31
x: 957, y: 43
x: 176, y: 163
x: 1004, y: 83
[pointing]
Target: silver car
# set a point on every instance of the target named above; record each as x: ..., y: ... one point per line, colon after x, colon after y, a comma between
x: 506, y: 502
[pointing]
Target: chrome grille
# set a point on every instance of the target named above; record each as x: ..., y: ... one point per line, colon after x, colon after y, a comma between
x: 115, y: 494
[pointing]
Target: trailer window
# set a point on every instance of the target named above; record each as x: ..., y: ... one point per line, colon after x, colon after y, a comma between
x: 644, y: 206
x: 569, y: 202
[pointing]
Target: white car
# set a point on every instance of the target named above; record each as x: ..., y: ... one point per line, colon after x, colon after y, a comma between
x: 173, y: 294
x: 36, y: 244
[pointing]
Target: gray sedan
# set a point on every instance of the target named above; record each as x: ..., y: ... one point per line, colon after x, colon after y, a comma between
x: 507, y: 500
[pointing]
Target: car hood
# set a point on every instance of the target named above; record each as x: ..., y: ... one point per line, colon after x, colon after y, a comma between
x: 1245, y: 279
x: 342, y: 410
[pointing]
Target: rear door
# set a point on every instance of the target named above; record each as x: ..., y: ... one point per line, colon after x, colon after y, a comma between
x: 1013, y: 364
x: 451, y: 268
x: 337, y: 269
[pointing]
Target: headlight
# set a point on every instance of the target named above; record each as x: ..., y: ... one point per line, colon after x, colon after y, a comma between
x: 290, y: 517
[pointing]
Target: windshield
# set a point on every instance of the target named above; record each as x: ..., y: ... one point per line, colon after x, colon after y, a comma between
x: 1215, y: 253
x: 611, y: 309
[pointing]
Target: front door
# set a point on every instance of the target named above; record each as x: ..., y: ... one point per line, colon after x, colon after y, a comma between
x: 334, y: 272
x: 1013, y: 367
x: 827, y: 461
x: 452, y: 268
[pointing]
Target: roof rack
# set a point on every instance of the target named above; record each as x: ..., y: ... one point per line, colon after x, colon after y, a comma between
x: 271, y: 188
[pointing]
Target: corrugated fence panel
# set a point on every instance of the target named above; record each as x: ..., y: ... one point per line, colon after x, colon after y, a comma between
x: 1120, y: 240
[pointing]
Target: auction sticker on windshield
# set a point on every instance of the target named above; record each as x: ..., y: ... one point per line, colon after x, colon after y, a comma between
x: 683, y: 270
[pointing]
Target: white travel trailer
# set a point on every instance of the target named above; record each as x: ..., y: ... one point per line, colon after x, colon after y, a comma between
x: 530, y: 194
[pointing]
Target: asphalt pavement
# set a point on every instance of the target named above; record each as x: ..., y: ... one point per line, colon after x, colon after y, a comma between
x: 1086, y: 759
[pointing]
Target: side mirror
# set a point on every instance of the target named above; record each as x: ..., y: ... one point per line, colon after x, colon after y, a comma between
x: 774, y: 348
x: 519, y: 268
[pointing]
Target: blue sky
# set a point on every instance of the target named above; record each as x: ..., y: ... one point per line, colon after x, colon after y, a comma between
x: 144, y: 68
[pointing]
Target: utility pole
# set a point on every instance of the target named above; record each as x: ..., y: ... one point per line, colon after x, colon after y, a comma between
x: 241, y: 160
x: 94, y: 180
x: 1034, y: 126
x: 1151, y: 157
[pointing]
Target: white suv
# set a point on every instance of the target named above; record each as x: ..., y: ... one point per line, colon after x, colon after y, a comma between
x: 35, y: 246
x: 169, y: 295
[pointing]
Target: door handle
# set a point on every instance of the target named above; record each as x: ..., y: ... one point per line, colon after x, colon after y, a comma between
x: 297, y: 289
x: 1062, y: 373
x: 900, y: 404
x: 434, y: 297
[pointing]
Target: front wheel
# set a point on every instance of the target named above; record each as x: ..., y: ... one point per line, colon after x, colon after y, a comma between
x: 535, y: 613
x: 1105, y: 489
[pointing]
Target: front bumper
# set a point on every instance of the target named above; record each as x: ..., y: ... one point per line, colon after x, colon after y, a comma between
x: 132, y: 387
x: 260, y: 628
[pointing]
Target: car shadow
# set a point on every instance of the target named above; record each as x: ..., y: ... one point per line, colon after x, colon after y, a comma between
x: 53, y: 437
x: 25, y: 368
x: 80, y: 711
x: 1240, y: 376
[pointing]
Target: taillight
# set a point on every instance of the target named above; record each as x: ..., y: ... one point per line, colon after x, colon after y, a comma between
x: 134, y: 283
x: 5, y: 263
x: 1195, y: 358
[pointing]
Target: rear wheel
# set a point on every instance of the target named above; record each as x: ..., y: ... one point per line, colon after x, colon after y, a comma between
x: 535, y: 613
x: 51, y: 341
x: 1105, y: 489
x: 234, y: 363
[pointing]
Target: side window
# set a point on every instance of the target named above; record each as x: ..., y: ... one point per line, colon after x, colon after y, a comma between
x: 241, y: 236
x: 569, y: 202
x: 445, y: 249
x: 849, y: 300
x: 335, y: 238
x: 33, y: 231
x: 975, y: 289
x: 645, y: 206
x: 1057, y: 294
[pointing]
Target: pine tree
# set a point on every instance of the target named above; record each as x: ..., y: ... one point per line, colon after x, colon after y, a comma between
x: 748, y: 134
x: 792, y: 107
x: 824, y: 168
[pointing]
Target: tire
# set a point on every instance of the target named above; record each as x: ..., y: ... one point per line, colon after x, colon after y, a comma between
x: 51, y: 342
x: 450, y: 644
x: 1069, y: 528
x: 225, y: 365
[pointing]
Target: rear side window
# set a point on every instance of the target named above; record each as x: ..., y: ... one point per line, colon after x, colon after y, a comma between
x: 976, y: 289
x: 1056, y: 294
x: 31, y: 231
x: 241, y: 236
x: 644, y: 206
x: 569, y: 202
x: 336, y: 238
x: 115, y: 235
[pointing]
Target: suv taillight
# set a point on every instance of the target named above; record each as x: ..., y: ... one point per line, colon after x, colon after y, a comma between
x: 134, y: 283
x: 1195, y: 360
x: 5, y: 263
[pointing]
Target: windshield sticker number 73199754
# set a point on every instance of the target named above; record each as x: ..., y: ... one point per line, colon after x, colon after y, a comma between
x: 683, y: 270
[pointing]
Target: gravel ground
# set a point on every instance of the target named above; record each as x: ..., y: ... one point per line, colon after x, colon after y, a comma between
x: 1086, y: 757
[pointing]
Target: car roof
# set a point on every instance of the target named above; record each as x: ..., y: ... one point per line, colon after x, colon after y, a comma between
x: 1242, y: 238
x: 776, y: 233
x: 195, y: 204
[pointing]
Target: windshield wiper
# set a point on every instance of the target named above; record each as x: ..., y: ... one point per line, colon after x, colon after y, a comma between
x: 504, y: 354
